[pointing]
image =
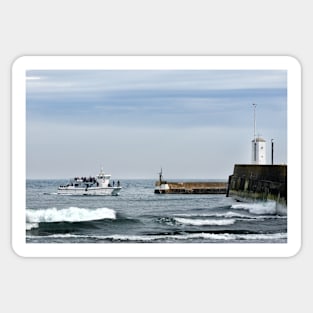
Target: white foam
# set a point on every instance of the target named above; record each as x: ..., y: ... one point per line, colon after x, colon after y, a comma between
x: 226, y: 215
x: 203, y: 222
x: 147, y: 238
x: 71, y: 214
x: 268, y: 207
x: 30, y: 226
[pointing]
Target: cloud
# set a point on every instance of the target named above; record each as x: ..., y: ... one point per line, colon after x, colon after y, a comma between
x: 110, y: 80
x: 135, y: 120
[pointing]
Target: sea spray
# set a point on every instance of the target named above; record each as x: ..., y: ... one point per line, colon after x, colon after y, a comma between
x: 71, y: 214
x: 267, y: 207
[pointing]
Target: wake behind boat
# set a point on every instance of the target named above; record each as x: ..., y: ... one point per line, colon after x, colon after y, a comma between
x: 93, y: 186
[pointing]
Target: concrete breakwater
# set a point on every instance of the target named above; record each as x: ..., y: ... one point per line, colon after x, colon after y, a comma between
x: 259, y: 182
x: 190, y: 187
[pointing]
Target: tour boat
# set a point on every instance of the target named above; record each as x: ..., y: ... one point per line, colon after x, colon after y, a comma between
x: 94, y: 186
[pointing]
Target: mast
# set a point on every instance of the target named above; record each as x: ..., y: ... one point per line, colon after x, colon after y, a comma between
x: 254, y: 136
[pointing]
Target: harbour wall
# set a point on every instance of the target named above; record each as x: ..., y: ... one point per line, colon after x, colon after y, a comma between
x: 259, y: 182
x: 192, y: 187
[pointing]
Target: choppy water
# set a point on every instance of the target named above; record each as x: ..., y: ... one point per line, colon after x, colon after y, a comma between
x: 138, y: 215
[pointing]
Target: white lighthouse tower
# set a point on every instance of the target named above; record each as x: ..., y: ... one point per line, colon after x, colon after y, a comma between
x: 258, y: 151
x: 258, y: 147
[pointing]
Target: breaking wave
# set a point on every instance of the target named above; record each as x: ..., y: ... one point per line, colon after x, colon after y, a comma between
x: 258, y: 208
x: 174, y: 238
x: 30, y: 226
x: 232, y: 215
x: 71, y: 214
x: 203, y: 222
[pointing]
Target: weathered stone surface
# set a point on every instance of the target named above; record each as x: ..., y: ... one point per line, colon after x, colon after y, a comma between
x: 195, y: 187
x: 259, y: 182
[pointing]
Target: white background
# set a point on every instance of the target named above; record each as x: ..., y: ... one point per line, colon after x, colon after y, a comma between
x: 155, y: 28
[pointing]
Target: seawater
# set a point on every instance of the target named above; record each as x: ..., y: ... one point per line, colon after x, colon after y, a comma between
x: 138, y: 215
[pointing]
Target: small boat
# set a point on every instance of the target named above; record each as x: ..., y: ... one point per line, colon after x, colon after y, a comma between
x: 94, y: 186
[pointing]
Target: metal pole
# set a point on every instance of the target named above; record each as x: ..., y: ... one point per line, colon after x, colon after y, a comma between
x: 272, y: 140
x: 254, y: 106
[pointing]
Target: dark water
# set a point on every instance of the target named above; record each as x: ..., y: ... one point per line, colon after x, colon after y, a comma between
x: 138, y: 215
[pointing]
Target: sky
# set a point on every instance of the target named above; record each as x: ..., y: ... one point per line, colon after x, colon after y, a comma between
x: 191, y: 123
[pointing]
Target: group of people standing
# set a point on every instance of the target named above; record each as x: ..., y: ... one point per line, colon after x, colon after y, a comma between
x: 118, y: 183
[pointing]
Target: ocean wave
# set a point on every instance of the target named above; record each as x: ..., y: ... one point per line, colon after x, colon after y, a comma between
x: 30, y: 226
x: 226, y: 214
x: 204, y: 222
x: 71, y: 214
x: 268, y: 207
x: 233, y: 215
x: 173, y: 238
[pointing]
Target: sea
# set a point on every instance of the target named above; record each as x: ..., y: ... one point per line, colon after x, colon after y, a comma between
x: 138, y: 215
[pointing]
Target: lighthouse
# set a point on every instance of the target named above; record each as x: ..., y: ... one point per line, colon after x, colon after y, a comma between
x: 258, y: 146
x: 258, y: 151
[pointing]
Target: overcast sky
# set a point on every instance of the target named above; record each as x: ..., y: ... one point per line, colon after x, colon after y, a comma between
x: 192, y: 123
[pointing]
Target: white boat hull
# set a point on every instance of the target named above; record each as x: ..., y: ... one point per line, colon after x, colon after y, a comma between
x: 91, y: 191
